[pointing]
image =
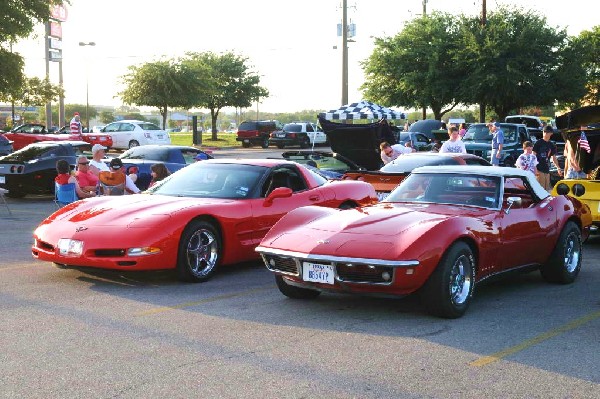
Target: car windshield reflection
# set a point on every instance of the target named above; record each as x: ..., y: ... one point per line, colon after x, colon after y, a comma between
x: 204, y: 180
x: 455, y: 189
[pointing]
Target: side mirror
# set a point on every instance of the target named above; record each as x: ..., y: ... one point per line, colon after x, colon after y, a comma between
x: 280, y: 192
x: 512, y: 201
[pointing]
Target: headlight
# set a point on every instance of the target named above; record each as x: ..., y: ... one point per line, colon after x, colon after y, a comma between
x: 68, y: 247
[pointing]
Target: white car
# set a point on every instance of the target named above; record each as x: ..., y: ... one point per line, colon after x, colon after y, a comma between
x: 131, y: 133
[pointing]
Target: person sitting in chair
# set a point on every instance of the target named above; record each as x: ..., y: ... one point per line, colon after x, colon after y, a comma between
x: 65, y: 177
x: 116, y: 182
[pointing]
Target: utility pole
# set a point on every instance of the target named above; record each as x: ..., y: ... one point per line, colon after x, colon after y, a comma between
x: 345, y: 52
x: 482, y: 105
x: 424, y: 114
x: 47, y: 58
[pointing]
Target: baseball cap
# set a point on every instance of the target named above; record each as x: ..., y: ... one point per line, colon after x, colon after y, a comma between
x: 116, y: 163
x: 76, y: 114
x: 201, y: 156
x: 97, y: 147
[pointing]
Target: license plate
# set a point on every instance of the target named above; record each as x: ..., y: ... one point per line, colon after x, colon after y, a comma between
x: 246, y: 141
x: 317, y: 273
x: 102, y: 138
x: 281, y: 135
x: 160, y: 136
x: 2, y: 180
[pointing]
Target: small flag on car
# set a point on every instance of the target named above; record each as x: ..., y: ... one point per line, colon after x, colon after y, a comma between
x: 583, y: 143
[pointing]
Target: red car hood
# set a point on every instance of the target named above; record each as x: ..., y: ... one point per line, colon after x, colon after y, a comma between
x: 361, y: 233
x: 141, y: 210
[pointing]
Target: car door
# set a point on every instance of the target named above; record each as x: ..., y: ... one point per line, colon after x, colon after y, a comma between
x: 114, y: 130
x: 267, y: 214
x: 525, y: 229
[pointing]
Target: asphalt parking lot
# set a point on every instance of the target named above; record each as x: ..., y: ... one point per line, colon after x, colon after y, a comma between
x: 71, y: 333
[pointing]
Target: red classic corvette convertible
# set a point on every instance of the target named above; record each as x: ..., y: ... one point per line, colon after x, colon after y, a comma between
x: 208, y: 214
x: 441, y: 231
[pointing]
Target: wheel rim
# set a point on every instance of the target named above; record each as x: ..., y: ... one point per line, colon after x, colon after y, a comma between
x: 460, y: 280
x: 572, y: 252
x: 202, y: 252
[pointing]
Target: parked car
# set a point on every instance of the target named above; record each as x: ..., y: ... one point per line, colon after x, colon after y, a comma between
x: 142, y: 158
x: 31, y: 170
x: 28, y: 133
x: 585, y: 190
x: 427, y: 127
x: 92, y: 138
x: 534, y: 124
x: 303, y: 134
x: 444, y: 230
x: 210, y: 214
x: 390, y: 175
x: 257, y: 132
x: 418, y: 141
x: 6, y: 145
x: 329, y: 164
x: 478, y: 141
x: 132, y: 133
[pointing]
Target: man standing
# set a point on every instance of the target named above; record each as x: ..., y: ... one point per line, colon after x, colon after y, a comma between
x: 75, y: 125
x: 497, y: 142
x: 545, y: 150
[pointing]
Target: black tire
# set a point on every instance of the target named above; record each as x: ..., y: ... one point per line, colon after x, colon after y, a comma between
x: 305, y: 143
x: 281, y: 146
x: 448, y: 291
x: 265, y: 143
x: 295, y: 292
x: 134, y: 143
x: 199, y: 252
x: 12, y: 193
x: 565, y: 261
x: 246, y: 145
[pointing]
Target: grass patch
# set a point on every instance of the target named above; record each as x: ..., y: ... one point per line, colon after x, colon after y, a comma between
x: 223, y: 139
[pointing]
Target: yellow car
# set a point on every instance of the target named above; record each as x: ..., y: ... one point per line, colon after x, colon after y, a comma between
x: 581, y: 127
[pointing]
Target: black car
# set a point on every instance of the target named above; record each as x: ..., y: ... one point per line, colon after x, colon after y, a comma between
x: 143, y: 157
x: 32, y: 169
x: 6, y: 146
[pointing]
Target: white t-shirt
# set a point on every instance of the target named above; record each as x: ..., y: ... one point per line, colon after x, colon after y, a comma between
x: 398, y: 149
x: 457, y: 146
x: 101, y: 166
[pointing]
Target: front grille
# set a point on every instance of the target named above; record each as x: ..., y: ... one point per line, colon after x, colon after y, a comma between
x: 281, y: 264
x: 109, y: 253
x: 45, y: 246
x: 357, y: 273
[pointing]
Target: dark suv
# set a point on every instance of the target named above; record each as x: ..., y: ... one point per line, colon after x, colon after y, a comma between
x: 478, y: 141
x: 257, y: 132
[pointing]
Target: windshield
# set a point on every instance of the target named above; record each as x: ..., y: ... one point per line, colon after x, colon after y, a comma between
x: 211, y: 180
x: 33, y: 152
x: 448, y: 188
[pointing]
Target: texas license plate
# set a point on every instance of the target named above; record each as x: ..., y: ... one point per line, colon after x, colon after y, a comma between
x: 2, y: 180
x: 317, y: 273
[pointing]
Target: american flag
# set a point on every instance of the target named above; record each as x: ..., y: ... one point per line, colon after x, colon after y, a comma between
x: 583, y: 143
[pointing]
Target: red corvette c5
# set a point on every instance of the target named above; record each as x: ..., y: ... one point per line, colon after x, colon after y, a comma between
x: 440, y: 232
x: 207, y: 214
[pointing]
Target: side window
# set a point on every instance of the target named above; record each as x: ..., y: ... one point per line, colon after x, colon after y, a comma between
x: 309, y: 127
x: 127, y: 127
x: 284, y: 177
x: 112, y: 128
x: 517, y: 187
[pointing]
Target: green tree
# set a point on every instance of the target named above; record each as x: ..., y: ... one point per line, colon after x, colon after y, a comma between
x: 160, y: 84
x: 18, y: 19
x: 516, y: 60
x: 590, y: 43
x: 228, y: 82
x: 417, y: 68
x: 107, y: 117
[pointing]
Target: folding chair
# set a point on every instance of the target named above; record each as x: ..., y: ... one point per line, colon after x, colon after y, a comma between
x: 64, y: 194
x: 2, y: 192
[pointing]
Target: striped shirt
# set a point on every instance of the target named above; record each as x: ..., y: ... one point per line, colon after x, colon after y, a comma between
x: 75, y: 127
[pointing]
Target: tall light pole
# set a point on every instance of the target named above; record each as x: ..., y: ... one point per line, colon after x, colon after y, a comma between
x: 87, y: 91
x: 345, y: 52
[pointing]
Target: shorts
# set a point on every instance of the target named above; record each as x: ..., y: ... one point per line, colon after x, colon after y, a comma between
x: 544, y: 180
x: 573, y: 174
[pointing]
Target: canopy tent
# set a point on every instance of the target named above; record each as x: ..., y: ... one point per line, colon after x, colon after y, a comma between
x: 361, y: 110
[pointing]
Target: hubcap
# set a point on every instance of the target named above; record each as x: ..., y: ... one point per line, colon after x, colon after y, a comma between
x: 202, y: 252
x: 460, y: 280
x: 572, y: 252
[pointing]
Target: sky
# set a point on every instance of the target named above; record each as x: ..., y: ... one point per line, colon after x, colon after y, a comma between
x: 290, y: 45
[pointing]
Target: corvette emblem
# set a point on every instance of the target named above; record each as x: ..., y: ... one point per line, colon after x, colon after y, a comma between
x: 323, y: 242
x: 80, y: 228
